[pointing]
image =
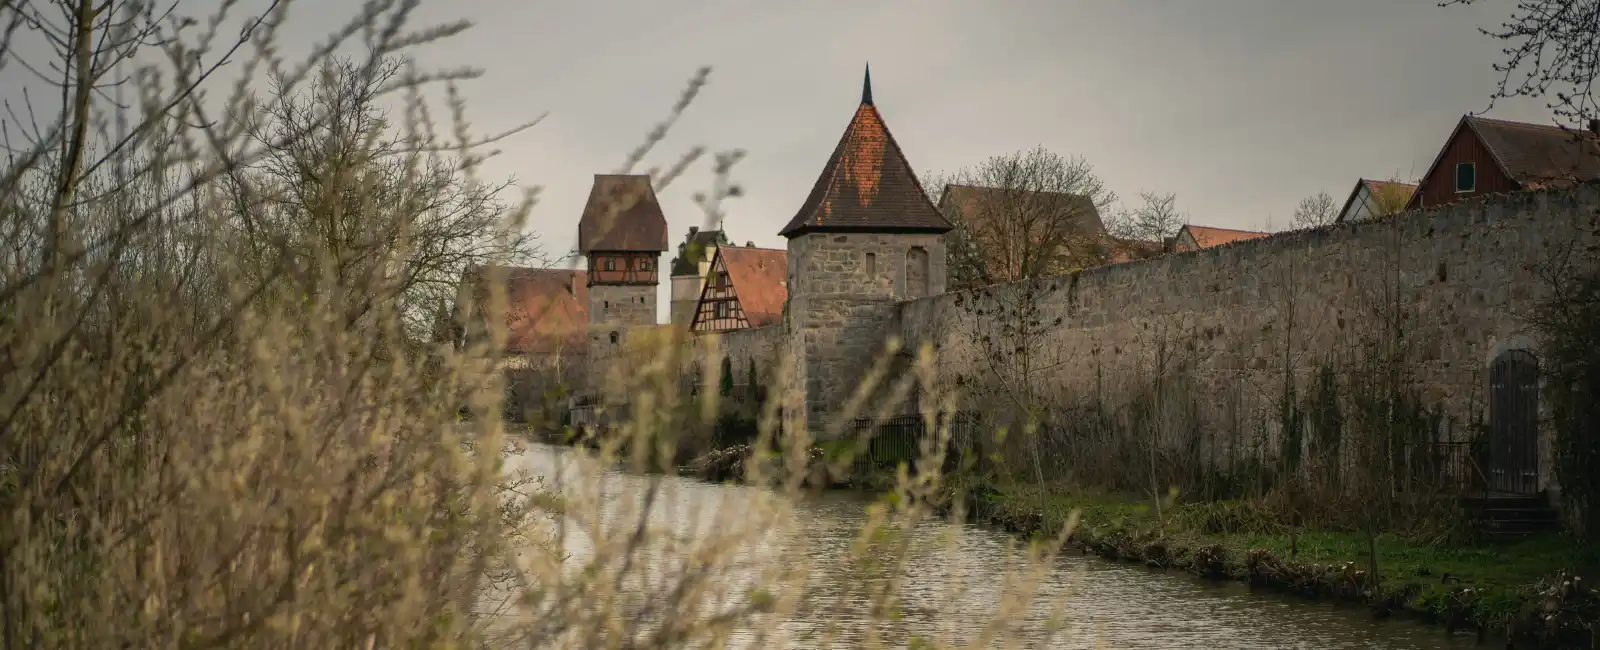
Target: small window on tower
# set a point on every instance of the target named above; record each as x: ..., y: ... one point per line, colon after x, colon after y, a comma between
x: 872, y: 263
x: 644, y: 265
x: 613, y: 338
x: 611, y: 265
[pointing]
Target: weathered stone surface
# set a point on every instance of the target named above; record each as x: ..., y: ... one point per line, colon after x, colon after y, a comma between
x: 843, y: 289
x: 1231, y: 319
x: 1227, y: 327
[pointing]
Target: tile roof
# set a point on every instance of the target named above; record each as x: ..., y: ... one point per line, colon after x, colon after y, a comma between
x: 1379, y: 187
x: 1536, y: 155
x: 1207, y: 236
x: 977, y: 204
x: 867, y: 184
x: 993, y: 215
x: 622, y: 215
x: 547, y: 310
x: 1400, y: 193
x: 760, y: 278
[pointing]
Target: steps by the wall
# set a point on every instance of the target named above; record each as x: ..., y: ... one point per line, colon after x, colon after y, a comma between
x: 1513, y: 515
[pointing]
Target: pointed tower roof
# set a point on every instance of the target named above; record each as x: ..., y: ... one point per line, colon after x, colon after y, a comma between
x: 867, y: 185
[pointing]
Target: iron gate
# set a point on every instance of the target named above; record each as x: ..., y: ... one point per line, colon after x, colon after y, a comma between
x: 1514, y: 423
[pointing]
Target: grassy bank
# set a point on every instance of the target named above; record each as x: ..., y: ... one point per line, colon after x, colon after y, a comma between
x: 1524, y: 589
x: 1520, y: 589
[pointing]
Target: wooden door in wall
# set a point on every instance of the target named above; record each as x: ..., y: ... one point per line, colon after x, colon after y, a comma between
x: 1514, y: 423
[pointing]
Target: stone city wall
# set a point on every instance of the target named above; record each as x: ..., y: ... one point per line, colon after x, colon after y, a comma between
x: 1230, y: 320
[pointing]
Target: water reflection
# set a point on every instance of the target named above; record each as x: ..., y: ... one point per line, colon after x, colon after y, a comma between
x: 957, y: 576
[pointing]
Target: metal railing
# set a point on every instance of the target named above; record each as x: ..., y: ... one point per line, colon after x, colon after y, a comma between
x: 898, y: 439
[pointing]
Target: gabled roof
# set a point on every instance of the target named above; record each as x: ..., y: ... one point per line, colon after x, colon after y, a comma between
x: 1537, y: 154
x: 1207, y: 236
x: 547, y: 310
x: 622, y: 215
x: 975, y: 203
x: 1402, y: 191
x: 866, y: 185
x: 1532, y: 155
x: 760, y: 278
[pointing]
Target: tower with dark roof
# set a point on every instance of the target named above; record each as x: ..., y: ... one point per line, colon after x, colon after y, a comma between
x: 866, y: 237
x: 622, y: 235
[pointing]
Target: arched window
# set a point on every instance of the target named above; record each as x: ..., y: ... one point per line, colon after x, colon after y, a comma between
x: 614, y: 338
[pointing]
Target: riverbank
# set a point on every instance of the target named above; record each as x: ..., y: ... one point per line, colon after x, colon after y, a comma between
x: 1526, y: 590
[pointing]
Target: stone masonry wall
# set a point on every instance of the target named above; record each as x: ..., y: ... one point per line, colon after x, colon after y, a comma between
x: 840, y: 306
x: 761, y: 346
x: 627, y: 305
x: 1232, y: 319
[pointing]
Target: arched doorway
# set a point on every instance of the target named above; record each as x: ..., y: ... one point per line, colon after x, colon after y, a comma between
x: 1514, y: 423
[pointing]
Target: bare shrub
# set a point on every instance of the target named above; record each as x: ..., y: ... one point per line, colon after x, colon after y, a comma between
x: 230, y: 408
x: 1569, y: 321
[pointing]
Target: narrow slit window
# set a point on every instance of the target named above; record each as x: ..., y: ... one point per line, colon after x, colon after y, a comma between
x: 872, y: 263
x: 1466, y: 177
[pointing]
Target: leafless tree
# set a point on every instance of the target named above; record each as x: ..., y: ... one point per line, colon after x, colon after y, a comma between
x: 346, y: 192
x: 1552, y: 51
x: 1144, y: 230
x: 1022, y: 215
x: 1315, y: 210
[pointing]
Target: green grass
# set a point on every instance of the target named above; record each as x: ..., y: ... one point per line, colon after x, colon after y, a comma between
x: 1503, y: 575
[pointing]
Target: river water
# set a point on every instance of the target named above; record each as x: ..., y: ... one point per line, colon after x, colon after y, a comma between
x: 954, y: 579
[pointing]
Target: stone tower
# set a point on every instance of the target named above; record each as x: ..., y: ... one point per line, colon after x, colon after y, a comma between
x: 689, y: 270
x: 621, y: 235
x: 866, y: 238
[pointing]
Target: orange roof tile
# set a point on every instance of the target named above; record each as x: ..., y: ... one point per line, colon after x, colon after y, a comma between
x: 760, y: 278
x: 547, y: 310
x: 1207, y: 236
x: 1379, y: 187
x: 867, y: 184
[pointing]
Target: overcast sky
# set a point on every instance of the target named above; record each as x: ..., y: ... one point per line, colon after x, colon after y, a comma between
x: 1240, y: 107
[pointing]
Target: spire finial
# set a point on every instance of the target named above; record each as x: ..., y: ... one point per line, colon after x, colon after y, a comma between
x: 866, y: 87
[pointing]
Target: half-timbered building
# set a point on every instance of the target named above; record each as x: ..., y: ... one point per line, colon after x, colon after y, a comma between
x: 747, y: 287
